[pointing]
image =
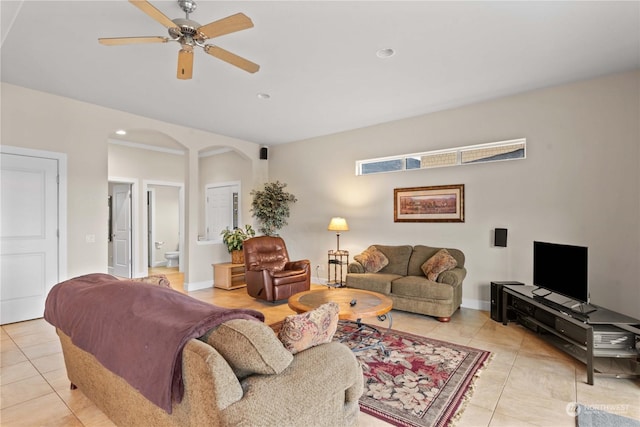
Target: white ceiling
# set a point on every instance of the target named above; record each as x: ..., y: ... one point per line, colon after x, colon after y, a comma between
x: 318, y: 58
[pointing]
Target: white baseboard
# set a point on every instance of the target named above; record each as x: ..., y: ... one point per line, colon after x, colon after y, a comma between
x: 196, y: 286
x: 476, y: 304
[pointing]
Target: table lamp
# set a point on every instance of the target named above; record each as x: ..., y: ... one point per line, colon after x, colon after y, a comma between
x: 338, y: 224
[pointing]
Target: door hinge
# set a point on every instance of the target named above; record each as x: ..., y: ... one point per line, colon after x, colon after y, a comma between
x: 58, y: 179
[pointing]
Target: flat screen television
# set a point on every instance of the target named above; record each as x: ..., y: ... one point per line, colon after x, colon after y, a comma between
x: 561, y: 269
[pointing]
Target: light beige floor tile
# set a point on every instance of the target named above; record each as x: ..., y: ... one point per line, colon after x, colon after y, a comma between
x: 37, y: 337
x: 8, y: 345
x: 488, y: 388
x: 48, y: 363
x: 533, y: 376
x: 26, y: 328
x: 474, y: 416
x: 58, y: 380
x: 11, y: 357
x: 23, y: 390
x: 16, y: 372
x: 90, y: 415
x: 46, y: 410
x: 618, y: 396
x: 42, y: 349
x: 502, y: 356
x: 532, y: 410
x: 510, y: 335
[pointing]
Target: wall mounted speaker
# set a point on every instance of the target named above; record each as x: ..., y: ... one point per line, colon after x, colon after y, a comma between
x: 263, y: 153
x: 500, y: 237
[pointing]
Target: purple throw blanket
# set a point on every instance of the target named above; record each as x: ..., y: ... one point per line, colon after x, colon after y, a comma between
x: 136, y: 330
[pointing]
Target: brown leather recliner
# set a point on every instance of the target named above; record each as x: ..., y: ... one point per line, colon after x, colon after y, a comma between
x: 269, y: 273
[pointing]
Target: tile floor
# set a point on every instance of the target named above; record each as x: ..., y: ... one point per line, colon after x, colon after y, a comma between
x: 527, y: 383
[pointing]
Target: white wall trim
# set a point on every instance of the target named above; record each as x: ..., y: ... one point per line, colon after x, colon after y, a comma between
x: 62, y: 199
x: 196, y: 286
x: 476, y: 304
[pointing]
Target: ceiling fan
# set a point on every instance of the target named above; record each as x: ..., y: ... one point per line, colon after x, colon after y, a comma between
x: 191, y: 34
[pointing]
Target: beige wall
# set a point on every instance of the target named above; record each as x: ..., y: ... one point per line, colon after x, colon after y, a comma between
x: 227, y: 167
x: 37, y: 120
x: 580, y: 184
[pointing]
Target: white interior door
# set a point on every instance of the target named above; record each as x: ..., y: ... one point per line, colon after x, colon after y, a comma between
x: 29, y: 234
x: 220, y: 209
x: 121, y: 230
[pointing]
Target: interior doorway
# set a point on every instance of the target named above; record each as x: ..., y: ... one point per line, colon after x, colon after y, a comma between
x: 33, y: 230
x: 121, y: 229
x: 164, y: 224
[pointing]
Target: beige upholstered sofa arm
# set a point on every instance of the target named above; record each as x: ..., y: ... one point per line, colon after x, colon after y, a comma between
x: 314, y: 379
x: 205, y: 370
x: 452, y: 277
x: 355, y: 267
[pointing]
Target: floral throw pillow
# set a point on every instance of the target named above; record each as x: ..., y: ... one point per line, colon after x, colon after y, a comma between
x: 302, y: 331
x: 372, y: 259
x: 440, y: 262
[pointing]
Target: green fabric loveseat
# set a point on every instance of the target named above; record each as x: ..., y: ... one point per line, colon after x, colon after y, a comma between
x: 403, y: 279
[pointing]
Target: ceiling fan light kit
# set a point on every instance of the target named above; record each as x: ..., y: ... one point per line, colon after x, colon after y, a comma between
x: 190, y: 34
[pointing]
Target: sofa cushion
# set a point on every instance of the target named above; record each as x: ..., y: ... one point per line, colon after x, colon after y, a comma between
x: 398, y: 257
x: 441, y: 261
x: 302, y: 331
x: 372, y: 259
x: 421, y: 288
x: 375, y: 282
x: 250, y: 347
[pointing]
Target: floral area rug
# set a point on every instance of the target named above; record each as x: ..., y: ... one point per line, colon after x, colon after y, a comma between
x: 412, y: 380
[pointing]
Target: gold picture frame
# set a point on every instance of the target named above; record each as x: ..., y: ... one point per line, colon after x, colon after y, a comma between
x: 441, y: 203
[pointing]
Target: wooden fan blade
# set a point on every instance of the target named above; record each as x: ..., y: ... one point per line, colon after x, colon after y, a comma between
x: 185, y: 64
x: 116, y: 41
x: 227, y: 25
x: 232, y: 58
x: 150, y: 10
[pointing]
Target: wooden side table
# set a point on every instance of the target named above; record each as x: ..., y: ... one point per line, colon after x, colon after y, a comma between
x: 228, y: 276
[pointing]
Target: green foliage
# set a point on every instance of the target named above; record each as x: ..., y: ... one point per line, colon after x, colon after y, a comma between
x: 271, y: 207
x: 234, y: 238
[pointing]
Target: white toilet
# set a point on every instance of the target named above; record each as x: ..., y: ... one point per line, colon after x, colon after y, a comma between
x: 172, y: 258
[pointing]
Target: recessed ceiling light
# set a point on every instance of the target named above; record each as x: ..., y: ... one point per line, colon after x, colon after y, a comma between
x: 121, y: 132
x: 385, y: 53
x: 263, y: 96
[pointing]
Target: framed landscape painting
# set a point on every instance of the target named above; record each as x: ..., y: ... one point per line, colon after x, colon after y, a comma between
x: 442, y: 203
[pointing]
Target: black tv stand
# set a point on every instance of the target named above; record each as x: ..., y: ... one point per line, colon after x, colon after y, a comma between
x: 597, y: 338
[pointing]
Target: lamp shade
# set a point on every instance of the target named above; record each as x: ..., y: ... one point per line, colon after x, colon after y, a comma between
x: 338, y: 224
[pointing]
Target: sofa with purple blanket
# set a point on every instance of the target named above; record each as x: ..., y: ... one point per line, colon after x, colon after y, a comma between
x: 149, y: 355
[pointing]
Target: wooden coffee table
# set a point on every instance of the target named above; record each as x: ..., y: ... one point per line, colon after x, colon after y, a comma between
x: 367, y: 304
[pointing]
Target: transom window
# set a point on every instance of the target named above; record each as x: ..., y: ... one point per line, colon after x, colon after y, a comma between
x: 514, y: 149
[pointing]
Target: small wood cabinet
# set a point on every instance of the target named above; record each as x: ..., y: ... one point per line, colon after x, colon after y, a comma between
x: 228, y: 276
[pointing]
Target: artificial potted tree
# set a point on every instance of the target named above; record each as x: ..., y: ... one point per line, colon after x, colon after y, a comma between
x: 271, y: 207
x: 234, y: 240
